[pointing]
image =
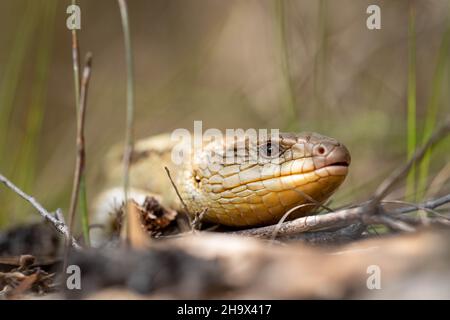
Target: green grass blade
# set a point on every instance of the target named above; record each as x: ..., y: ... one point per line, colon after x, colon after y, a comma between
x: 432, y: 110
x: 83, y: 205
x: 411, y: 142
x: 130, y: 107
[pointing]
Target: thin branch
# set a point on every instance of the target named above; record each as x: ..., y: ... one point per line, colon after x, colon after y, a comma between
x: 76, y: 63
x: 60, y: 216
x: 59, y: 226
x: 416, y: 206
x: 77, y: 83
x: 80, y: 160
x: 308, y: 197
x: 418, y: 220
x: 309, y: 223
x: 429, y: 204
x: 340, y: 218
x: 284, y: 217
x: 179, y: 197
x: 392, y: 223
x: 385, y: 187
x: 129, y: 135
x: 198, y: 218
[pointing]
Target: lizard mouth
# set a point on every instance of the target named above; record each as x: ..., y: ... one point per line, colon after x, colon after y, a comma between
x: 339, y: 168
x: 339, y: 164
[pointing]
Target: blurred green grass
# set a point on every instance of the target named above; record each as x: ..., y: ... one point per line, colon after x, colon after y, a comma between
x: 411, y: 115
x: 432, y: 109
x: 21, y: 162
x: 12, y: 72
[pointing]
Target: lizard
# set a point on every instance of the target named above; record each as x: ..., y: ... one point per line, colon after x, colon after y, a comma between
x: 294, y: 170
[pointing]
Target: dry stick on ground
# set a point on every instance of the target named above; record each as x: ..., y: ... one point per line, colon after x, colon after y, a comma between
x: 79, y: 165
x: 340, y: 218
x: 285, y: 216
x: 129, y: 141
x: 59, y: 225
x: 333, y: 237
x: 369, y: 213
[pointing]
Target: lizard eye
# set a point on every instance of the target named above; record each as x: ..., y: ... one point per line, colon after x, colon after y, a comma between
x: 270, y: 149
x: 321, y: 150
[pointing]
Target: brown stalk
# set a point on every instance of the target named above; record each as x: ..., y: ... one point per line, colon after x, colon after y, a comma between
x: 81, y: 153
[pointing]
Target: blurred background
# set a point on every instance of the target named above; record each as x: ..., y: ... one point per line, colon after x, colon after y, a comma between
x: 295, y: 65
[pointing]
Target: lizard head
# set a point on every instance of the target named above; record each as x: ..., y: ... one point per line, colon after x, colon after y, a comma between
x: 256, y: 181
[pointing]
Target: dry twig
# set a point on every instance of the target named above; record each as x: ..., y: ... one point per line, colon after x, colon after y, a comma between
x: 284, y: 217
x: 387, y: 185
x: 198, y: 218
x: 81, y: 154
x: 76, y: 63
x: 81, y: 192
x: 188, y: 214
x: 341, y: 218
x: 59, y: 226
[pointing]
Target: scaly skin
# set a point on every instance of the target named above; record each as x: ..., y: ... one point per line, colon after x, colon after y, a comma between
x: 235, y: 191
